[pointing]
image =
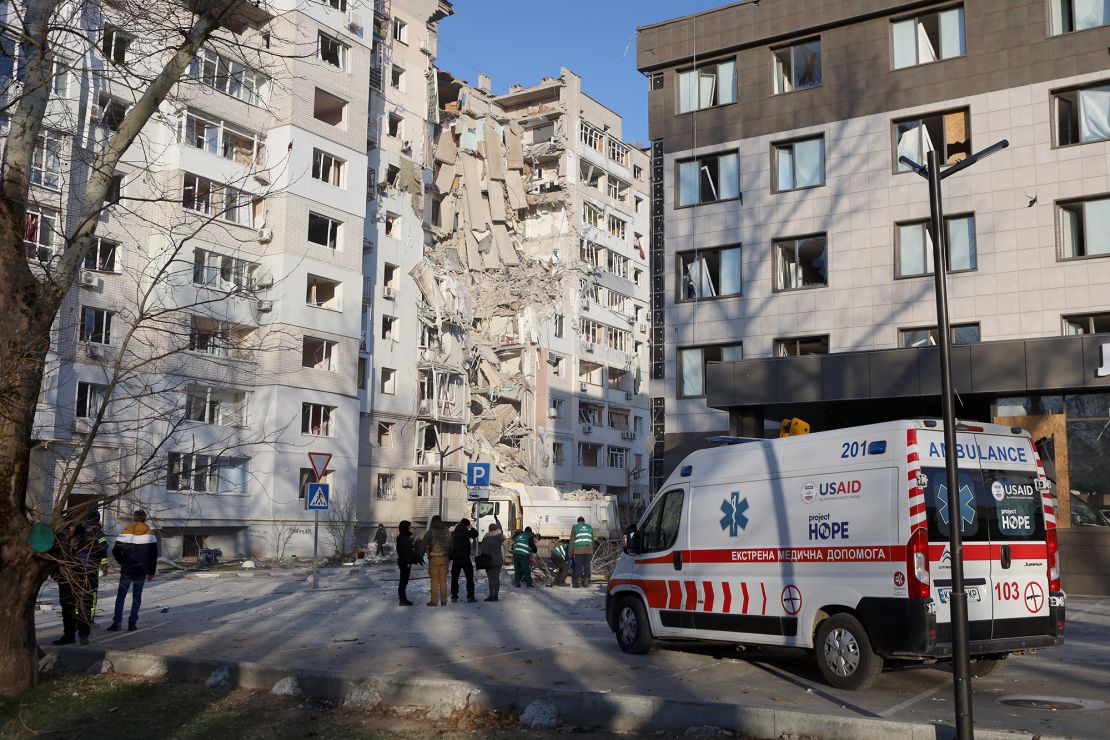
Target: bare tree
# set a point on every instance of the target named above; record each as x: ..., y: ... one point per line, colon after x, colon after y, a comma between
x: 279, y: 535
x: 339, y: 526
x: 48, y: 234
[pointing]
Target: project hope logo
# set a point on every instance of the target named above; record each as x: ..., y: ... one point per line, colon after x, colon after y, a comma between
x: 831, y: 490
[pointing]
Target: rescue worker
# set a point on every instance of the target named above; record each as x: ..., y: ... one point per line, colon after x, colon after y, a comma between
x: 437, y: 546
x: 380, y: 538
x: 406, y: 555
x: 493, y: 547
x: 522, y: 558
x: 460, y: 559
x: 78, y: 579
x: 136, y: 551
x: 559, y: 562
x: 582, y: 547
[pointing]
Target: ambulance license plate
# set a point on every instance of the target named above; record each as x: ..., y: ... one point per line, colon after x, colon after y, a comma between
x: 971, y: 591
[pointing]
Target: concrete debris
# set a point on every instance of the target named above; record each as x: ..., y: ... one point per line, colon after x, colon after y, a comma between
x: 584, y: 494
x: 288, y: 686
x: 219, y: 678
x: 540, y: 714
x: 363, y: 695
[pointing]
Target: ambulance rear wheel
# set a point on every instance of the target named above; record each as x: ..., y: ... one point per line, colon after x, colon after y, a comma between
x: 986, y: 665
x: 633, y: 629
x: 844, y: 653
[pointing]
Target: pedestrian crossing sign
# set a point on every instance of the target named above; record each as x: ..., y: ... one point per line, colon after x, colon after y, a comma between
x: 318, y: 496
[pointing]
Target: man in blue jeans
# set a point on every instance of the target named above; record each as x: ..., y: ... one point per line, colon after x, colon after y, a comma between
x: 136, y: 551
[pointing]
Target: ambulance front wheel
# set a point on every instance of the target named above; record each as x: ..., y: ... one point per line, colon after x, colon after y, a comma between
x: 844, y: 653
x: 633, y: 629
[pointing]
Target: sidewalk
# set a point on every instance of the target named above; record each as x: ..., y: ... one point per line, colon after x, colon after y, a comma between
x: 548, y: 638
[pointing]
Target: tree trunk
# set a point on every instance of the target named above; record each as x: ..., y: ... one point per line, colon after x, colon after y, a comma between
x: 24, y: 336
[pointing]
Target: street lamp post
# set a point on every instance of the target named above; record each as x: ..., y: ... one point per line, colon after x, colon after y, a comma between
x: 961, y: 661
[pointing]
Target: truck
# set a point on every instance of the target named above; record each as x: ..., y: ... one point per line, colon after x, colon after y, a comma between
x: 837, y: 543
x: 546, y: 511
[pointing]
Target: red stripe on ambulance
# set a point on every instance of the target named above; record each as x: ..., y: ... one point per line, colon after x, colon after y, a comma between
x: 728, y: 597
x: 744, y: 609
x: 708, y: 596
x: 691, y: 596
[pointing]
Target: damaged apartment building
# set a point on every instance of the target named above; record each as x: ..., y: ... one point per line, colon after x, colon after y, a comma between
x: 508, y: 318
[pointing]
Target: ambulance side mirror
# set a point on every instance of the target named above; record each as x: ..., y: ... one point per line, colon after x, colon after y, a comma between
x: 631, y: 541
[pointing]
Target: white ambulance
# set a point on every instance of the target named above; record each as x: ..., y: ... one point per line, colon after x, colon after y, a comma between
x: 837, y: 542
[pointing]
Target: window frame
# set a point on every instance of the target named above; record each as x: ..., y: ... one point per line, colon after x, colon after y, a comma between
x: 99, y: 264
x: 952, y: 328
x: 701, y: 167
x: 1054, y: 113
x: 966, y: 110
x: 103, y: 336
x: 898, y: 225
x: 325, y: 423
x: 680, y: 388
x: 48, y: 140
x: 329, y: 169
x: 778, y: 342
x: 89, y: 409
x: 714, y: 64
x: 333, y: 227
x: 400, y: 31
x: 916, y: 17
x: 775, y: 91
x: 680, y: 276
x: 1059, y: 207
x: 114, y: 36
x: 776, y: 258
x: 343, y: 51
x: 1090, y: 318
x: 777, y: 145
x: 1071, y: 7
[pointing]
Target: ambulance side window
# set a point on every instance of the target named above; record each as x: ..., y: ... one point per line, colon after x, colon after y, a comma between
x: 1018, y: 514
x: 660, y: 529
x: 974, y: 511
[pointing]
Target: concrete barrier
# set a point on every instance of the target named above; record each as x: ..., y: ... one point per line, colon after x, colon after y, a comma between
x: 582, y: 709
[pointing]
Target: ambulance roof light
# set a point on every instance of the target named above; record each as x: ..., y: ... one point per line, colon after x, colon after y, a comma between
x: 686, y: 471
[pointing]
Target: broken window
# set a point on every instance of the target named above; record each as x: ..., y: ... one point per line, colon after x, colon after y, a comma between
x: 709, y: 179
x: 327, y: 168
x: 1077, y: 15
x: 393, y: 175
x: 797, y: 67
x: 46, y: 160
x: 389, y: 276
x: 389, y: 328
x: 1084, y: 228
x: 558, y: 453
x: 114, y: 45
x: 393, y: 126
x: 385, y: 490
x: 322, y: 293
x: 799, y: 164
x: 96, y: 325
x: 397, y: 77
x: 591, y: 136
x: 319, y: 354
x: 559, y: 325
x: 331, y: 50
x: 706, y: 86
x: 618, y: 378
x: 217, y: 406
x: 709, y: 273
x: 590, y: 372
x: 617, y: 456
x: 915, y: 246
x: 1092, y: 323
x: 616, y: 226
x: 101, y: 256
x: 206, y: 474
x: 222, y: 271
x: 400, y: 31
x: 929, y: 336
x: 692, y: 363
x: 618, y: 418
x: 590, y: 253
x: 385, y: 434
x: 323, y: 230
x: 948, y: 133
x: 590, y: 174
x: 392, y: 225
x: 801, y: 262
x: 329, y: 108
x: 556, y: 409
x: 360, y: 373
x: 388, y: 381
x: 616, y: 151
x: 316, y: 418
x: 308, y: 475
x: 589, y: 454
x: 40, y: 233
x: 929, y: 37
x: 340, y: 5
x: 1082, y: 115
x: 90, y: 397
x: 230, y: 77
x: 219, y: 201
x: 592, y: 215
x: 109, y: 113
x: 798, y: 346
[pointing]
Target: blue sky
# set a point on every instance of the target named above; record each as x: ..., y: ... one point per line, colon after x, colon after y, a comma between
x: 519, y: 41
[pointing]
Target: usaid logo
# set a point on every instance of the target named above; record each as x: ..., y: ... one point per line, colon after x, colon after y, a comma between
x: 831, y: 490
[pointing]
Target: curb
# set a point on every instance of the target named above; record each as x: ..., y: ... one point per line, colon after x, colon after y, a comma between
x: 613, y: 712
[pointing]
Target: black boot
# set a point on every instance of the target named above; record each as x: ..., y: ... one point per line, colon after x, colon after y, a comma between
x: 64, y: 640
x: 405, y: 602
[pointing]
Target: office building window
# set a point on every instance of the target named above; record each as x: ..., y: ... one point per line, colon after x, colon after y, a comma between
x: 799, y: 164
x: 1077, y: 15
x: 709, y: 179
x: 707, y: 86
x: 914, y: 245
x: 797, y: 67
x: 1082, y: 114
x: 1084, y: 228
x: 948, y: 133
x: 929, y: 37
x: 1092, y: 323
x: 709, y: 273
x: 801, y: 262
x: 692, y: 362
x: 798, y: 346
x: 929, y: 336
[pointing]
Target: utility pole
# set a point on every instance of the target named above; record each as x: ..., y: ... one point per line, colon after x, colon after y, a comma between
x: 961, y: 660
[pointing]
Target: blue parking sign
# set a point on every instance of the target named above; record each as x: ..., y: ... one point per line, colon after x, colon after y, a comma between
x: 477, y: 475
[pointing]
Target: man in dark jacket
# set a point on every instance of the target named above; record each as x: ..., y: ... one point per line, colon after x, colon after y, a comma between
x: 136, y: 551
x: 78, y: 579
x: 460, y: 559
x: 380, y: 538
x: 406, y: 556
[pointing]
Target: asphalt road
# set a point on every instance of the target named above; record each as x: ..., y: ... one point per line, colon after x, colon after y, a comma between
x: 558, y: 638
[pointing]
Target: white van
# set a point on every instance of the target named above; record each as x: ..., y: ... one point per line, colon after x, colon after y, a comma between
x: 837, y: 542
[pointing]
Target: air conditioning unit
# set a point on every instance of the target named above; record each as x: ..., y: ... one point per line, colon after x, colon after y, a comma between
x: 643, y: 328
x: 552, y: 413
x: 92, y: 350
x: 628, y: 395
x: 406, y: 482
x: 265, y: 235
x: 87, y: 279
x: 588, y: 346
x: 265, y: 306
x: 628, y: 435
x: 586, y: 428
x: 389, y: 293
x: 354, y: 21
x: 583, y: 387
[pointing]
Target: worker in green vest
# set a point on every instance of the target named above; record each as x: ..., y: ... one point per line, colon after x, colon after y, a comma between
x: 559, y: 562
x: 582, y: 548
x: 522, y: 557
